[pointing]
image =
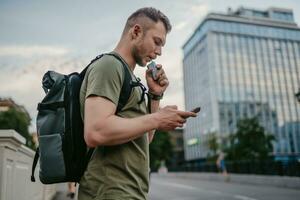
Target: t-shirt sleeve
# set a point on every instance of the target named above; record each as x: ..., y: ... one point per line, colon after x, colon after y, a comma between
x: 105, y: 79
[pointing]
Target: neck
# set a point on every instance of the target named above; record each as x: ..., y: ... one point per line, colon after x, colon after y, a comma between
x: 125, y: 52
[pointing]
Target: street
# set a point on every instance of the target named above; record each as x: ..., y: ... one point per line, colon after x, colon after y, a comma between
x: 165, y: 188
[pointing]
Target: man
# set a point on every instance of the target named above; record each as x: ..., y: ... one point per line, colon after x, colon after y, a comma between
x: 119, y: 167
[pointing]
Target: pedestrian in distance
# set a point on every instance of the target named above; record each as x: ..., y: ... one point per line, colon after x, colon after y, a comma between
x: 71, y: 190
x: 221, y: 166
x: 119, y: 166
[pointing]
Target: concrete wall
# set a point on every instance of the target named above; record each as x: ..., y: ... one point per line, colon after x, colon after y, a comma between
x: 15, y: 170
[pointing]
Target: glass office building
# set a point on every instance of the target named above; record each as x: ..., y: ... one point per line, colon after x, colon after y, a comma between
x: 242, y: 64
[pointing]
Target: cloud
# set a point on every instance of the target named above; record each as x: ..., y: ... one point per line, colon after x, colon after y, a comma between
x: 192, y: 15
x: 180, y: 25
x: 24, y: 84
x: 28, y: 51
x: 199, y: 9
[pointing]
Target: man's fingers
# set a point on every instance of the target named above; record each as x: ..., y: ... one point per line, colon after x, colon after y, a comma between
x: 158, y: 66
x: 162, y: 77
x: 164, y: 83
x: 186, y: 114
x: 182, y: 120
x: 160, y: 72
x: 179, y: 125
x: 172, y: 106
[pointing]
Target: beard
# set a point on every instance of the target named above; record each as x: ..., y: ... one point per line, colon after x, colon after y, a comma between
x: 136, y: 54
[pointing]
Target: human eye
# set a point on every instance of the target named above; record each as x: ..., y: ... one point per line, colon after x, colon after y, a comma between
x: 157, y: 42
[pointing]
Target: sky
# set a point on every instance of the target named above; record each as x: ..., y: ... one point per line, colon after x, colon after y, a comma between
x: 64, y: 35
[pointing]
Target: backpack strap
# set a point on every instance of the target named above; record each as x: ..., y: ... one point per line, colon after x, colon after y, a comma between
x: 82, y: 73
x: 126, y: 86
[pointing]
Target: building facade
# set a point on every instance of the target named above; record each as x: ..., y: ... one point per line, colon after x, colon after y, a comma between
x: 243, y: 64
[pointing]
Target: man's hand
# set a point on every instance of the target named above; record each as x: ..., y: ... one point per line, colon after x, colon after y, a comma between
x: 170, y: 118
x: 158, y: 86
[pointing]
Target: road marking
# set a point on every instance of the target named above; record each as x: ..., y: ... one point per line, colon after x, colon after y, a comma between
x: 183, y: 186
x: 177, y: 185
x: 243, y: 197
x: 189, y: 187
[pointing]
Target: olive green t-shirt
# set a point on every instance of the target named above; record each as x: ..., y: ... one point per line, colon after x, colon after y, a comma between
x: 120, y: 171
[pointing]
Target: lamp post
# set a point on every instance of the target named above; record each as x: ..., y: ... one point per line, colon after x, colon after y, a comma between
x: 297, y: 95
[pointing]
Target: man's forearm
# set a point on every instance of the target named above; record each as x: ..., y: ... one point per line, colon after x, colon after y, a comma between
x: 154, y: 108
x: 117, y: 130
x: 122, y: 130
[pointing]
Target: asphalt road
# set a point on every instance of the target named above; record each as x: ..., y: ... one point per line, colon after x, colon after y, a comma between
x: 165, y: 188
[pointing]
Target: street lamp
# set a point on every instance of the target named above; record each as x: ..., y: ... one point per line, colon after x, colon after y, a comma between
x: 298, y: 95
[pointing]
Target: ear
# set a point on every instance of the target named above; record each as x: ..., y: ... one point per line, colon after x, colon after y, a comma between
x: 137, y: 31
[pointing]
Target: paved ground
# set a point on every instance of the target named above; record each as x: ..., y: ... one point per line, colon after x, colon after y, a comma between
x: 186, y: 189
x: 172, y: 188
x: 62, y: 192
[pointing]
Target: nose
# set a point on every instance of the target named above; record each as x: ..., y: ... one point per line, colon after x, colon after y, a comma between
x: 158, y: 51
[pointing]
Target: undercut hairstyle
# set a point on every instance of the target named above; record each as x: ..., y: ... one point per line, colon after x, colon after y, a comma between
x: 145, y: 15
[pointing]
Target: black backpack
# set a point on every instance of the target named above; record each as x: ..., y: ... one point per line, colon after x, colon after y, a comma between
x: 62, y: 150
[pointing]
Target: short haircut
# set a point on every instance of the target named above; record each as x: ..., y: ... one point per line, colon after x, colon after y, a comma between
x: 153, y: 14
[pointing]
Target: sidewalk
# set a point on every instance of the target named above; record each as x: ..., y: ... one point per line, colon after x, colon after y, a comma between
x: 61, y: 194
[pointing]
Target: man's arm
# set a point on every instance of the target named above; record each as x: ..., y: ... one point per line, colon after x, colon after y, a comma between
x: 154, y: 109
x: 103, y: 127
x: 156, y: 87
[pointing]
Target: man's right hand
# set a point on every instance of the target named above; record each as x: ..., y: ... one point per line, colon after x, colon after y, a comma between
x: 170, y: 118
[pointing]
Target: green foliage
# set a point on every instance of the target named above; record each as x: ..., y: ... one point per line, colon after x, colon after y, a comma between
x: 250, y: 142
x: 19, y: 121
x: 160, y: 149
x: 213, y: 145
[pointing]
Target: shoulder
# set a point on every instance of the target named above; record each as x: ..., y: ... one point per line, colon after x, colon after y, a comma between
x: 108, y: 62
x: 108, y: 65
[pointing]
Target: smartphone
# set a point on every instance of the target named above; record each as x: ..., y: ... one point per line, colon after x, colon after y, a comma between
x: 152, y: 65
x: 196, y: 110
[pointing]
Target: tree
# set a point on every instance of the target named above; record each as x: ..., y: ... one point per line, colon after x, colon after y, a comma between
x: 250, y: 142
x: 160, y: 149
x: 17, y: 120
x: 212, y: 143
